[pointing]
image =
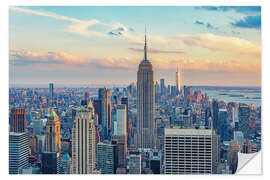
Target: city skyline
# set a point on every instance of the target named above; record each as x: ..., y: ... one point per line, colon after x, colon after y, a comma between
x: 218, y: 46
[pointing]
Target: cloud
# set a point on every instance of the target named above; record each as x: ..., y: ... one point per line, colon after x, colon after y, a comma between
x: 83, y: 27
x: 77, y: 26
x: 209, y: 26
x: 220, y: 43
x: 248, y: 22
x: 118, y: 30
x: 67, y: 62
x: 199, y: 22
x: 206, y: 24
x: 233, y: 66
x: 29, y: 58
x: 62, y: 60
x: 247, y: 10
x: 158, y: 51
x: 252, y: 20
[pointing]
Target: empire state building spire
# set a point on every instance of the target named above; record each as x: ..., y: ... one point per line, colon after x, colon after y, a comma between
x: 145, y: 46
x: 145, y: 103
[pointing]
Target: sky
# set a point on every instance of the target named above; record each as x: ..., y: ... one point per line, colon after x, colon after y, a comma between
x: 67, y: 45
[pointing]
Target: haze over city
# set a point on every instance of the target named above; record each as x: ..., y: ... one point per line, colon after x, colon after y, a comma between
x: 216, y: 46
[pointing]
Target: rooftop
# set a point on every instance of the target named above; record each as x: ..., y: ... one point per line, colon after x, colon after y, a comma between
x: 178, y: 131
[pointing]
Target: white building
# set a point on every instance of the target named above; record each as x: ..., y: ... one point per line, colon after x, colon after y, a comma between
x: 83, y: 142
x: 190, y: 151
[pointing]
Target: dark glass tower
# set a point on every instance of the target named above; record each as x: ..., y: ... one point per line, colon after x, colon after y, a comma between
x: 18, y: 120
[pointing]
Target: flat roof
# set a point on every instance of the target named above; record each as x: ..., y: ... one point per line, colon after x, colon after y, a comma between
x: 16, y: 133
x: 178, y: 131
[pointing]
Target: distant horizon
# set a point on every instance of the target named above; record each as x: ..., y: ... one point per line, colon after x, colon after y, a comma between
x: 106, y: 85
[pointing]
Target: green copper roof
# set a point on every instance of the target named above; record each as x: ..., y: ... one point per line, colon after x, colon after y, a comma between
x: 66, y: 156
x: 52, y: 113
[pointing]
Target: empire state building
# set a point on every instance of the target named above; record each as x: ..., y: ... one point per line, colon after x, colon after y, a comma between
x: 146, y: 131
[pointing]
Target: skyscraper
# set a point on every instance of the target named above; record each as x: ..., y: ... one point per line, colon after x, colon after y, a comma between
x: 223, y: 125
x: 103, y: 97
x: 243, y: 117
x: 51, y: 91
x: 97, y: 105
x: 83, y: 142
x: 190, y: 151
x: 37, y: 126
x: 53, y: 135
x: 121, y: 134
x: 121, y: 117
x: 18, y: 151
x: 215, y: 114
x: 162, y: 87
x: 124, y: 100
x: 145, y: 104
x: 18, y: 120
x: 178, y: 80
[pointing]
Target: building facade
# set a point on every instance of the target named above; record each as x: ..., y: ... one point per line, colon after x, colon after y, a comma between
x: 18, y: 151
x: 243, y: 118
x: 50, y: 163
x: 146, y: 131
x: 83, y: 142
x: 103, y: 97
x: 134, y: 163
x: 107, y: 160
x: 53, y: 135
x: 190, y: 151
x: 18, y: 120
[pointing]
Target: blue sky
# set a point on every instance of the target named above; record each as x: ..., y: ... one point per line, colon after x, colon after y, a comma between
x: 79, y: 45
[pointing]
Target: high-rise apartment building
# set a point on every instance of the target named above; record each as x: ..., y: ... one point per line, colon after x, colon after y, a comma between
x: 83, y: 142
x: 18, y: 120
x: 18, y: 151
x: 146, y: 131
x: 52, y: 134
x: 190, y: 151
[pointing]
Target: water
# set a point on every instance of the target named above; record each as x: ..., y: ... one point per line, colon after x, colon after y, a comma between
x: 247, y: 95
